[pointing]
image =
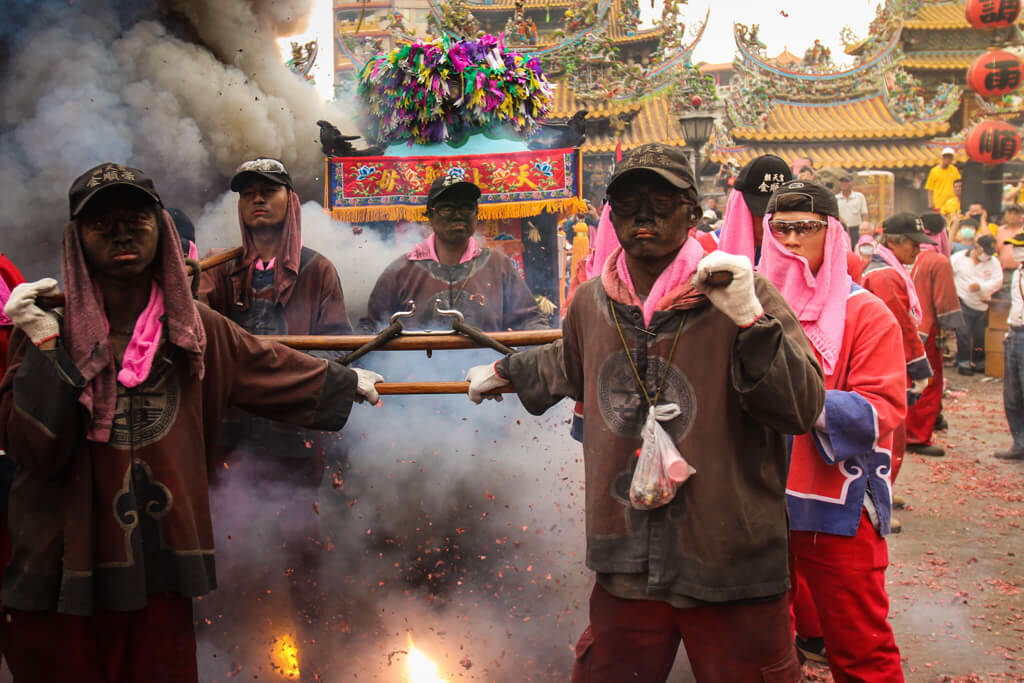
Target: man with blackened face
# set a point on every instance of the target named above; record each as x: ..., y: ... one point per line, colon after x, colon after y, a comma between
x: 455, y: 270
x: 699, y: 347
x: 108, y: 411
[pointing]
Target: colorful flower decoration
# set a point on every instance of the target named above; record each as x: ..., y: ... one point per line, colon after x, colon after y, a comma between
x: 364, y: 172
x: 427, y: 92
x: 545, y: 168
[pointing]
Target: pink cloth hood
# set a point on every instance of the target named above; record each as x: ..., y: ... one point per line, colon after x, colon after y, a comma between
x: 289, y: 256
x: 87, y: 332
x: 427, y: 250
x: 885, y: 253
x: 604, y: 245
x: 737, y: 235
x: 819, y: 301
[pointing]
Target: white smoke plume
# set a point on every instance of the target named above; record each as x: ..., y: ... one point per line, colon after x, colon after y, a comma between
x: 95, y: 81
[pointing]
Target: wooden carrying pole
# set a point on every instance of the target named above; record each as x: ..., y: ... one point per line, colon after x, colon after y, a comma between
x: 415, y: 342
x: 415, y: 388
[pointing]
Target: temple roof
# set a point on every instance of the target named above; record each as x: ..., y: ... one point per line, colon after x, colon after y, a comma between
x: 941, y: 60
x: 566, y: 104
x: 878, y: 155
x: 655, y: 122
x: 863, y: 119
x: 937, y: 16
x: 785, y: 58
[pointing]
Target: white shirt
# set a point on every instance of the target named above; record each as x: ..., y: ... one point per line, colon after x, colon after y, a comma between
x: 853, y: 210
x: 1016, y: 318
x: 988, y: 274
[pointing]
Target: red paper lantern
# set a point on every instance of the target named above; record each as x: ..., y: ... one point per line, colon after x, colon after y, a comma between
x: 995, y: 73
x: 993, y: 142
x: 992, y: 14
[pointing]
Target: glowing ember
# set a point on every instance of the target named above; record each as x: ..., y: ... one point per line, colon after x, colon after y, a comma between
x: 284, y: 657
x: 421, y: 669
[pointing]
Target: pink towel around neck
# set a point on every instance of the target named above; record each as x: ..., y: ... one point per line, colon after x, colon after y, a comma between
x: 737, y: 235
x: 138, y: 356
x: 678, y: 273
x: 603, y: 245
x: 427, y: 250
x: 819, y: 301
x: 885, y: 253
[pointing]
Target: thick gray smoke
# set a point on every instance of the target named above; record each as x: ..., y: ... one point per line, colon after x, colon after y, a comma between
x: 88, y: 82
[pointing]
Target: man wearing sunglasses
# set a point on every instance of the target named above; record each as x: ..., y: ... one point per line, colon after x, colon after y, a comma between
x: 451, y: 266
x: 839, y: 489
x: 709, y: 567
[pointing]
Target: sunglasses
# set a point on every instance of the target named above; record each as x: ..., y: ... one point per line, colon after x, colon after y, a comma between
x: 661, y: 203
x: 801, y: 228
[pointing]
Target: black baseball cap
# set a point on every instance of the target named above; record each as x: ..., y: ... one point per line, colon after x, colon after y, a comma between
x: 104, y: 177
x: 759, y: 178
x: 908, y: 225
x: 987, y: 244
x: 261, y: 167
x: 454, y: 183
x: 811, y: 197
x: 667, y: 162
x: 933, y: 222
x: 186, y: 230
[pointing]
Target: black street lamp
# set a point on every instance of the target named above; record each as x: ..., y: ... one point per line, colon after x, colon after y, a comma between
x: 697, y: 127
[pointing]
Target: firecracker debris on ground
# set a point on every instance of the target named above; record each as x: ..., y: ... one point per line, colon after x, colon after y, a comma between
x: 956, y: 574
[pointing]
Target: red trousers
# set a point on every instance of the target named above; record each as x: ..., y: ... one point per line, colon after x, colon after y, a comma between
x: 156, y: 644
x: 921, y: 416
x: 637, y: 640
x: 839, y: 594
x: 899, y: 447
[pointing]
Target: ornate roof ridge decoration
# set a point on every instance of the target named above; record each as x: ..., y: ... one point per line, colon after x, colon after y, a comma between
x: 751, y: 58
x: 506, y: 5
x: 621, y: 82
x: 440, y: 11
x: 905, y: 98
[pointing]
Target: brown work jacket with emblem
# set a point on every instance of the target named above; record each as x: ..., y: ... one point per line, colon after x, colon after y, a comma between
x: 487, y: 289
x: 724, y: 536
x: 102, y: 525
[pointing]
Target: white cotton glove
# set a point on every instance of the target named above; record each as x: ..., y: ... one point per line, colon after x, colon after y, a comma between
x: 737, y: 299
x: 483, y: 379
x: 21, y: 308
x: 365, y: 382
x: 917, y: 386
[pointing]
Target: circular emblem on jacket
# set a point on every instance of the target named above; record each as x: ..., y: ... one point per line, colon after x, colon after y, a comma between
x: 145, y: 415
x: 623, y: 406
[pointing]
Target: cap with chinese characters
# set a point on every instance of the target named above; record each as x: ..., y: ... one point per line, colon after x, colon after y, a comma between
x: 262, y: 167
x: 106, y: 176
x: 668, y: 162
x: 453, y: 182
x: 758, y: 179
x: 907, y: 225
x: 804, y: 195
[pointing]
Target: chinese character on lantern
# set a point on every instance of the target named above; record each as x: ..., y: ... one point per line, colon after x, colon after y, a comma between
x: 992, y: 14
x: 995, y: 73
x: 993, y: 142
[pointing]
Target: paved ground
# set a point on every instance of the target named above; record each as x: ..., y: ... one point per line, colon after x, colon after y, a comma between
x: 956, y: 580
